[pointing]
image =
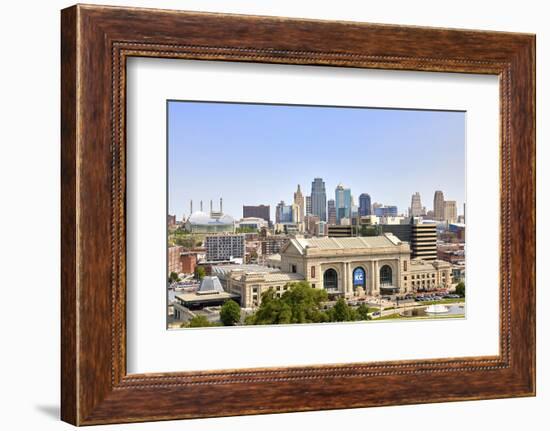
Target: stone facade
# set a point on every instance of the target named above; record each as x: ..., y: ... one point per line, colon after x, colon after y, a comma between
x: 312, y: 258
x: 348, y: 267
x: 250, y: 284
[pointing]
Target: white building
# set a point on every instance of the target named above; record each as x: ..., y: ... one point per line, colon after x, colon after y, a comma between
x: 252, y: 222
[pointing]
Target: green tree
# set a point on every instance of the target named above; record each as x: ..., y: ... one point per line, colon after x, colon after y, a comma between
x: 173, y: 277
x: 230, y: 313
x: 200, y: 272
x: 363, y: 312
x: 369, y: 230
x: 301, y: 303
x: 253, y: 255
x: 199, y: 322
x: 341, y: 312
x: 460, y: 289
x: 246, y: 229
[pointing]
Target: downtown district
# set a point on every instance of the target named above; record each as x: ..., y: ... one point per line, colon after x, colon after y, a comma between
x: 393, y: 265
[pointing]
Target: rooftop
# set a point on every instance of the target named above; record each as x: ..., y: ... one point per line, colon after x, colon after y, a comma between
x: 210, y: 285
x: 360, y: 242
x: 268, y: 274
x: 427, y: 265
x: 247, y: 268
x: 191, y: 297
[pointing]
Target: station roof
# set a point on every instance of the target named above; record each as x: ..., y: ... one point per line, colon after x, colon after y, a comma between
x: 360, y: 242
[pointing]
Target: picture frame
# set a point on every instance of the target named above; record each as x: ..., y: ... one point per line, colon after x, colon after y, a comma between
x: 96, y: 42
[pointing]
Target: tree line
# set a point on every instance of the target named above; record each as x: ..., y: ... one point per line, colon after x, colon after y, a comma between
x: 300, y: 303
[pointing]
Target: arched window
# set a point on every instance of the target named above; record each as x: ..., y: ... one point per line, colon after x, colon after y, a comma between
x: 358, y: 277
x: 385, y: 276
x: 330, y: 279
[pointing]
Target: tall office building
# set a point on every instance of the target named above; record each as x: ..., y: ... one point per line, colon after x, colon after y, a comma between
x: 308, y: 205
x: 343, y: 203
x: 364, y: 205
x: 279, y: 212
x: 439, y: 206
x: 300, y: 202
x: 450, y: 211
x: 283, y: 213
x: 257, y: 211
x: 319, y: 199
x: 331, y: 210
x: 422, y: 238
x: 296, y: 214
x: 424, y: 241
x: 416, y: 205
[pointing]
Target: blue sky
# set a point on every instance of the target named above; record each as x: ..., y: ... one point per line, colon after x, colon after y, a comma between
x: 257, y: 154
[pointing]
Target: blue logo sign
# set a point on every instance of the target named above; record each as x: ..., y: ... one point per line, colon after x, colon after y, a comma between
x: 358, y: 277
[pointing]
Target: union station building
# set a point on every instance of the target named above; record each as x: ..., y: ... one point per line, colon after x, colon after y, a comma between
x: 348, y: 267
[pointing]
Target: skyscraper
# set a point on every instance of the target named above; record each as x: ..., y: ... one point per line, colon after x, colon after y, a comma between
x: 319, y: 199
x: 439, y: 206
x: 450, y: 211
x: 300, y: 202
x: 283, y: 213
x: 331, y: 209
x: 416, y: 205
x: 364, y: 205
x: 343, y: 203
x: 308, y: 205
x: 296, y: 214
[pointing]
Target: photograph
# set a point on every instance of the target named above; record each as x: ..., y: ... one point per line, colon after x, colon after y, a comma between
x: 281, y: 214
x: 254, y: 215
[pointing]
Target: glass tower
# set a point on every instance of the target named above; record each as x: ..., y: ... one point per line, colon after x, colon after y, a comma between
x: 343, y: 203
x: 319, y: 199
x: 364, y: 204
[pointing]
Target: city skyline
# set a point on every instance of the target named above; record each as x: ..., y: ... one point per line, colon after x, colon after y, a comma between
x: 240, y: 152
